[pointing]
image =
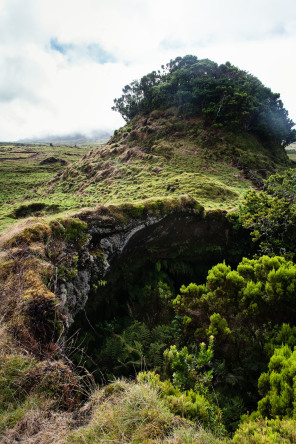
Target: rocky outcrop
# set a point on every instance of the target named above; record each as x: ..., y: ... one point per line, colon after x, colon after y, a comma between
x: 56, y: 265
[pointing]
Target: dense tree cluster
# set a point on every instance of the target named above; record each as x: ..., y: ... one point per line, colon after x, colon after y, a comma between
x: 223, y: 95
x: 271, y: 214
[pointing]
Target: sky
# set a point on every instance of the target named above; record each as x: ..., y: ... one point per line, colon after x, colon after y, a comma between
x: 62, y: 62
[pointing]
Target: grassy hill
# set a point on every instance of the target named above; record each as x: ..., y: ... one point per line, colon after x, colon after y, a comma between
x: 159, y: 155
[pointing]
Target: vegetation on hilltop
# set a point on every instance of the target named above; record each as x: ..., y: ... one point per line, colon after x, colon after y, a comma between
x: 222, y: 94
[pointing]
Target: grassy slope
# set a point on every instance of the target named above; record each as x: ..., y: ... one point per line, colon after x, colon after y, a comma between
x: 156, y: 156
x: 21, y: 173
x: 128, y: 169
x: 162, y: 155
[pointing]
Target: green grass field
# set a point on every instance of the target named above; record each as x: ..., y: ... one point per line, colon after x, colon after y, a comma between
x: 32, y: 186
x: 22, y: 173
x: 124, y: 170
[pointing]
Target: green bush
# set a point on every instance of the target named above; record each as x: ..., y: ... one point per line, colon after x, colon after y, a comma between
x: 266, y: 432
x: 277, y: 386
x: 190, y: 370
x: 243, y: 309
x: 271, y: 214
x: 188, y: 404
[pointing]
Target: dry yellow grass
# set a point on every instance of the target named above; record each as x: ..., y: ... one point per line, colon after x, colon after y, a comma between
x: 16, y: 229
x: 40, y: 426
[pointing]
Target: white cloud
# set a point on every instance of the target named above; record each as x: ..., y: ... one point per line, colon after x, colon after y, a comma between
x: 63, y: 61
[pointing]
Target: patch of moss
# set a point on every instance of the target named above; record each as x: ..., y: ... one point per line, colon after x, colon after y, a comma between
x: 71, y: 230
x: 40, y: 232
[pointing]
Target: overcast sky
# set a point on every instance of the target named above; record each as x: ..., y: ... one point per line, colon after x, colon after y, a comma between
x: 62, y: 62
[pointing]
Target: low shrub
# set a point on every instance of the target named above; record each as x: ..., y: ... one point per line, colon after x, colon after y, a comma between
x: 266, y: 431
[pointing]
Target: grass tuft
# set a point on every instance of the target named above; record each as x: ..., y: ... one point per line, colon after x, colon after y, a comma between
x: 127, y: 412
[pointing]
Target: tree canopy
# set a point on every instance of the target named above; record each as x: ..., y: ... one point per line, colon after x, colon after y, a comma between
x: 250, y: 312
x: 271, y: 214
x: 223, y: 95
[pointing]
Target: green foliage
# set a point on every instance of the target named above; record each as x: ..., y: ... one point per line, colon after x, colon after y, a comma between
x: 266, y: 431
x: 135, y: 348
x: 189, y: 404
x: 218, y: 327
x: 271, y: 214
x: 240, y: 308
x: 277, y: 386
x: 260, y: 290
x: 190, y: 370
x: 285, y: 334
x: 224, y: 95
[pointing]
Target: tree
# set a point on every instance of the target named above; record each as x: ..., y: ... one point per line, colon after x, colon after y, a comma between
x: 224, y: 95
x: 271, y: 214
x: 277, y: 386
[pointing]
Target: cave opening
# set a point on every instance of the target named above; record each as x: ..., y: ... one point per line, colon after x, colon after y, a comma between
x: 129, y: 320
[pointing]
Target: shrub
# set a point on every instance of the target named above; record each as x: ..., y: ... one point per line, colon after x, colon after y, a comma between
x: 277, y: 386
x: 266, y: 432
x: 271, y: 214
x: 241, y: 308
x: 189, y: 370
x: 188, y: 404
